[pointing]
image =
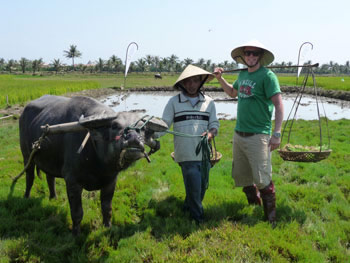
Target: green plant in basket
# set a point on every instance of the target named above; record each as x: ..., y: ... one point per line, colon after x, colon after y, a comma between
x: 301, y: 153
x: 303, y: 148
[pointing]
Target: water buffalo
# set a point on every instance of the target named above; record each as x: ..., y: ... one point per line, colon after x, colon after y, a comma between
x: 111, y: 146
x: 157, y: 76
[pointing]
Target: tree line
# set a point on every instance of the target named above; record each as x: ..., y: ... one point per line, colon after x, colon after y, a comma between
x: 149, y: 63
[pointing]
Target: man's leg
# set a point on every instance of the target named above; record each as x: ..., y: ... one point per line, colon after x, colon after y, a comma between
x: 194, y: 193
x: 253, y: 194
x: 269, y: 201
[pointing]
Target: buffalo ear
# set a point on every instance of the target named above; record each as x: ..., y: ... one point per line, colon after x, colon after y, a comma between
x: 97, y: 120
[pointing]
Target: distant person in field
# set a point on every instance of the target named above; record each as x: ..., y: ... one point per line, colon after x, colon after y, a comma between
x: 193, y: 113
x: 258, y: 94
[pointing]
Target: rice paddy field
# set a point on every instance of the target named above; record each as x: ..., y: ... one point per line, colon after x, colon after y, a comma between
x: 149, y: 225
x: 19, y: 89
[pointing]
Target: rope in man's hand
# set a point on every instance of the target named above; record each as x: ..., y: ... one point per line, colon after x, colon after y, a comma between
x: 204, y: 147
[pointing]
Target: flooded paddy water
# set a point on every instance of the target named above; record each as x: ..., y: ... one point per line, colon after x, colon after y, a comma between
x: 153, y: 103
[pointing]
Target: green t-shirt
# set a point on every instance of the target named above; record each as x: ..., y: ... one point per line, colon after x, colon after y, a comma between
x: 254, y: 112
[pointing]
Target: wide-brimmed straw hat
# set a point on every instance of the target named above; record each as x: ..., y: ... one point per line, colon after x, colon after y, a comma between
x: 191, y: 71
x: 266, y: 58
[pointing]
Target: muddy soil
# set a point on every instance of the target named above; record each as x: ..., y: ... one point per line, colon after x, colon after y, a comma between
x: 16, y: 110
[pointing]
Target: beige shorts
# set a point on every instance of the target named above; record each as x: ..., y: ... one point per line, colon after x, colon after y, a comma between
x: 251, y: 160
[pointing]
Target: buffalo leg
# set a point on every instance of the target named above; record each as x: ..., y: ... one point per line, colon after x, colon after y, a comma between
x: 76, y: 209
x: 29, y: 180
x: 51, y: 183
x: 106, y: 197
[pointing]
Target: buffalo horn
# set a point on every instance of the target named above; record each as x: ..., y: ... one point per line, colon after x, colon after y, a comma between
x: 156, y: 125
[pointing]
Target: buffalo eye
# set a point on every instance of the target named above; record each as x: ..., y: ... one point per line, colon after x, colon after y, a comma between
x: 116, y: 126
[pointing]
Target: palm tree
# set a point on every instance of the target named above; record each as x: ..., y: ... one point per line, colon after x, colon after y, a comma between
x: 10, y: 65
x: 23, y: 64
x: 178, y: 67
x: 72, y: 53
x: 226, y: 65
x: 40, y: 63
x: 109, y: 65
x: 187, y: 61
x: 173, y: 59
x: 35, y: 65
x: 200, y: 62
x: 132, y: 67
x: 100, y: 64
x: 150, y: 61
x: 207, y: 65
x: 160, y: 66
x: 56, y: 63
x: 2, y: 63
x: 347, y: 67
x: 141, y: 64
x: 116, y: 62
x: 164, y: 64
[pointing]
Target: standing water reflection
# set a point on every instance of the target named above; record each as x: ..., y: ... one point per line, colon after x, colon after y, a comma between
x: 153, y: 103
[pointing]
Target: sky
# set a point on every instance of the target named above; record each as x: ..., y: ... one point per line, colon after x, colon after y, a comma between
x: 193, y: 29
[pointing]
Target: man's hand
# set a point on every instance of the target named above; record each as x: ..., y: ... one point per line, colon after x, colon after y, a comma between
x: 274, y: 143
x: 209, y: 134
x: 218, y: 73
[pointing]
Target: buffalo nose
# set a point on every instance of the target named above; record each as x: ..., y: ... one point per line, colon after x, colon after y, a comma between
x: 133, y: 139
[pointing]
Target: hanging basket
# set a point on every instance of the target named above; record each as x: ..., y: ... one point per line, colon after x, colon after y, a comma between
x: 214, y: 159
x: 298, y: 153
x: 308, y: 156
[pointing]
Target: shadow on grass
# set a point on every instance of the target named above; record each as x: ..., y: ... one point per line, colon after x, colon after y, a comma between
x: 42, y: 231
x: 166, y: 218
x: 36, y: 232
x: 170, y: 219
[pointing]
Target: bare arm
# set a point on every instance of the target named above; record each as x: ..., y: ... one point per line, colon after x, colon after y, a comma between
x: 229, y: 90
x: 279, y: 110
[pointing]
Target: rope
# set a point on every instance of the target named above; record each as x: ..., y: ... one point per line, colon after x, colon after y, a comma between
x: 204, y: 147
x: 134, y: 126
x: 35, y: 147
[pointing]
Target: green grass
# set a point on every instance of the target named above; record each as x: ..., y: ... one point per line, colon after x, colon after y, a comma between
x: 149, y: 225
x: 20, y: 89
x: 23, y: 88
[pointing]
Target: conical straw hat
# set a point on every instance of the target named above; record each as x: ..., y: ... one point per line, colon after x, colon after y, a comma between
x: 191, y: 71
x: 265, y: 59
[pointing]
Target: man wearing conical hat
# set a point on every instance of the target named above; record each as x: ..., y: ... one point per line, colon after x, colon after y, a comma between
x: 258, y: 93
x: 194, y: 114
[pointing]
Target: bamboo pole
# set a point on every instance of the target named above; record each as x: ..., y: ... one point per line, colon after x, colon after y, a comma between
x: 5, y: 117
x: 64, y: 127
x: 271, y: 67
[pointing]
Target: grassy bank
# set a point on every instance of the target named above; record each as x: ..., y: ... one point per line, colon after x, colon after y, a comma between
x: 148, y: 222
x: 20, y: 89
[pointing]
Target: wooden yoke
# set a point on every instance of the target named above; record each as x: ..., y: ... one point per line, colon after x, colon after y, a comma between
x: 62, y: 128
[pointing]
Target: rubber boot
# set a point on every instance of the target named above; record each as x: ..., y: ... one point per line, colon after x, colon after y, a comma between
x: 253, y: 194
x: 268, y: 197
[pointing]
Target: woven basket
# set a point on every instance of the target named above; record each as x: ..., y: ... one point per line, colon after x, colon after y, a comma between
x: 213, y: 160
x: 311, y: 156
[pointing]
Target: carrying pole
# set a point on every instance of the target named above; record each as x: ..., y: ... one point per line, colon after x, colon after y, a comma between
x: 272, y: 67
